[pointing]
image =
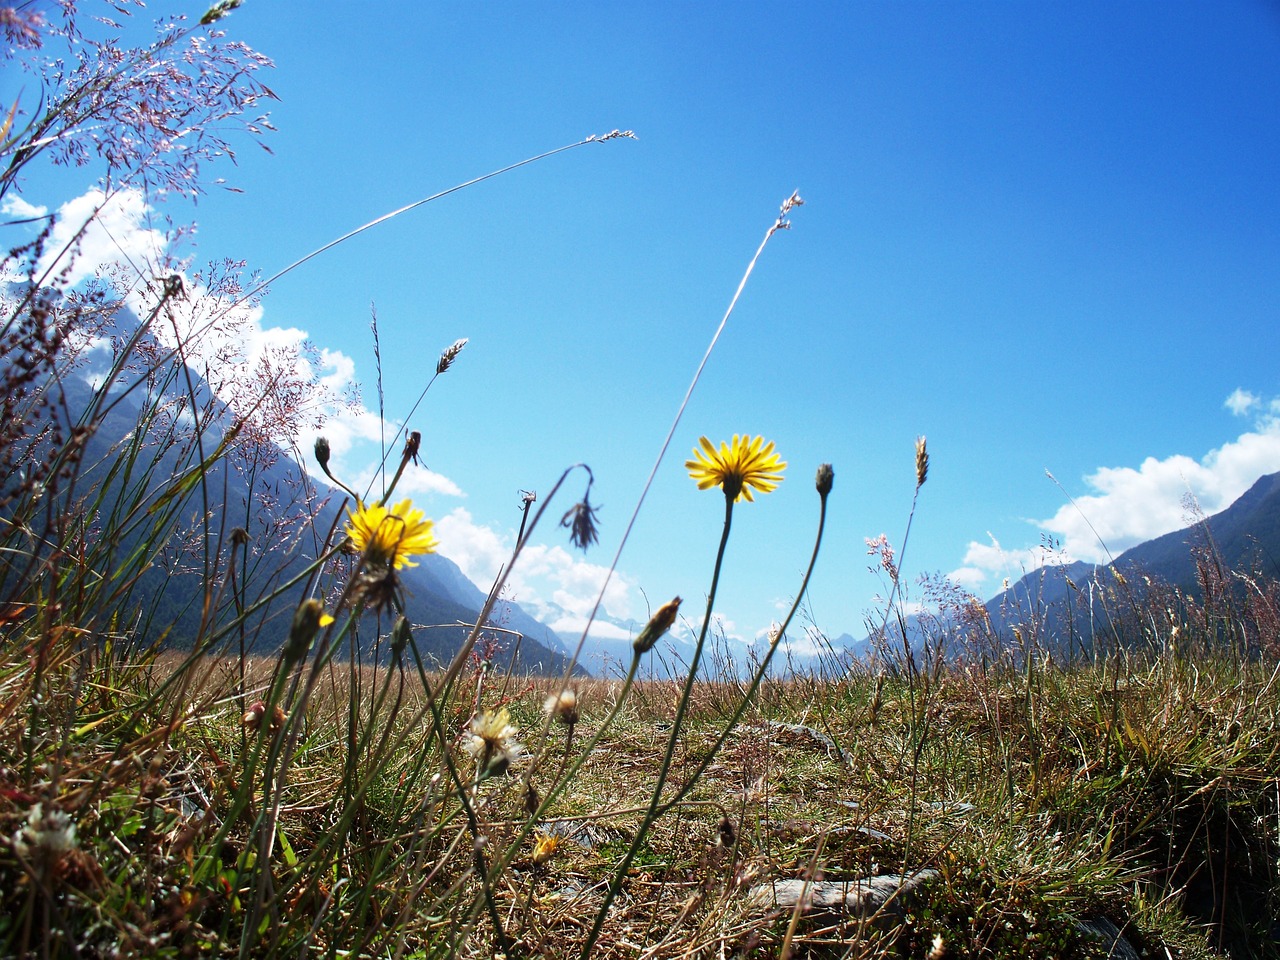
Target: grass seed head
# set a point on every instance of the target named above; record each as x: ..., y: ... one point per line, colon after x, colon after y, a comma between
x: 449, y: 354
x: 922, y: 461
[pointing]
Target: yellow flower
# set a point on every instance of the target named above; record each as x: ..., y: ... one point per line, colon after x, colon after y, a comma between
x: 389, y: 537
x: 545, y: 847
x: 738, y: 468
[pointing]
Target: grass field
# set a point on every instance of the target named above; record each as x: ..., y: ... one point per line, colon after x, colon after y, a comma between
x: 183, y: 792
x: 147, y: 817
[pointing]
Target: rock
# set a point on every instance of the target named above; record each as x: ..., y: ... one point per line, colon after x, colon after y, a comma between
x: 861, y: 898
x: 1118, y: 948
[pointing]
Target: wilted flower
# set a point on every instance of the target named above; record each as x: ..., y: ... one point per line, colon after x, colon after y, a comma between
x: 725, y: 834
x: 51, y: 832
x: 581, y: 521
x: 658, y: 624
x: 388, y: 537
x: 492, y: 741
x: 563, y: 707
x: 737, y: 468
x: 545, y: 847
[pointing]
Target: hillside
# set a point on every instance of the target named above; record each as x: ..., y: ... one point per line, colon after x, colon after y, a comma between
x: 1066, y: 603
x: 267, y: 496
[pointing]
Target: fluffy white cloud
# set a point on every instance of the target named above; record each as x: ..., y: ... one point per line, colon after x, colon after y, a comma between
x: 121, y: 235
x: 982, y: 560
x: 94, y: 230
x: 15, y: 206
x: 1242, y: 401
x: 1132, y: 504
x: 552, y: 583
x: 416, y: 480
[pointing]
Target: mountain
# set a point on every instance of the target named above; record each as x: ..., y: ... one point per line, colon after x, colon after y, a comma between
x: 252, y: 513
x: 1070, y: 608
x: 1079, y: 603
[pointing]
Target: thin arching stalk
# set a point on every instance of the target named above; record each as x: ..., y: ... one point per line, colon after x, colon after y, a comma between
x: 781, y: 223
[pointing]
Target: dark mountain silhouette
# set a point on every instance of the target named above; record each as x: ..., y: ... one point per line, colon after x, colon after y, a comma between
x: 1079, y: 604
x: 188, y: 593
x: 1076, y: 608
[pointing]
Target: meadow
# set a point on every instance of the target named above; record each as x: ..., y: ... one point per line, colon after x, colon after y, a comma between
x: 186, y: 792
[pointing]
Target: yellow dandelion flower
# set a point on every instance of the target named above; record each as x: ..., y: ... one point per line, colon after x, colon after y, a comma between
x: 545, y: 847
x: 737, y: 468
x: 388, y: 537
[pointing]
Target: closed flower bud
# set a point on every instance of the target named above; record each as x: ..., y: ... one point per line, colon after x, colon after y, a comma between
x: 658, y: 624
x: 825, y: 479
x: 401, y: 636
x: 257, y: 710
x: 307, y: 621
x: 322, y: 453
x: 411, y: 444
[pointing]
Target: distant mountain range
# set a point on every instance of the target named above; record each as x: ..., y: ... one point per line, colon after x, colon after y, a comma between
x: 267, y: 502
x: 1070, y: 607
x: 1243, y: 538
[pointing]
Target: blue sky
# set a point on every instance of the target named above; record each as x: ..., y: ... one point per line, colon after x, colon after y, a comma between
x: 1046, y: 236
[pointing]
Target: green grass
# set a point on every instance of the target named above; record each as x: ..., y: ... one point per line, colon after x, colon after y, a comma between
x: 219, y: 797
x: 1153, y: 805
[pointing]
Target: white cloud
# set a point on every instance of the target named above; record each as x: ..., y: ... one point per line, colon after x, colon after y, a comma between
x: 1242, y: 401
x: 1133, y: 505
x: 550, y: 582
x: 115, y: 229
x: 983, y: 560
x: 229, y: 343
x: 416, y: 480
x: 1130, y: 505
x: 15, y: 206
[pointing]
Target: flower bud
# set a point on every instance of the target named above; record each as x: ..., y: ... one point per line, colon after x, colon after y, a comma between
x: 658, y: 624
x: 306, y: 624
x: 322, y: 453
x: 826, y: 477
x: 411, y: 444
x: 400, y: 636
x: 257, y: 711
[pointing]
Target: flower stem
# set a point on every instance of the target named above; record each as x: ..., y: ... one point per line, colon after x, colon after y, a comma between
x: 758, y: 678
x: 655, y: 804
